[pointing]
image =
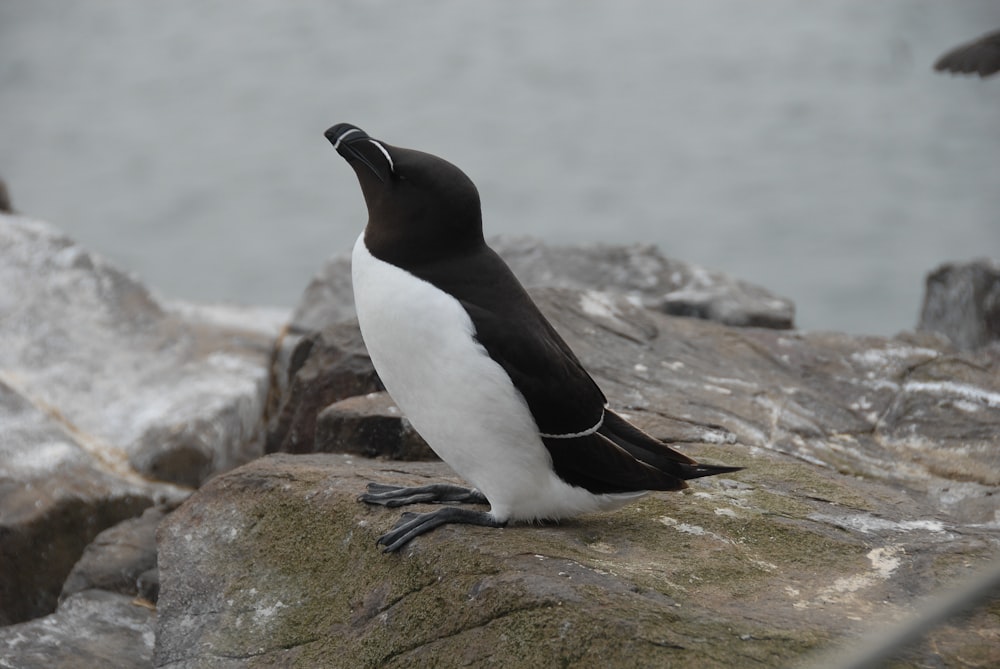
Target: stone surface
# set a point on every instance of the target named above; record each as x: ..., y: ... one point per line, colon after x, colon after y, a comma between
x: 962, y: 302
x: 275, y: 564
x: 322, y: 368
x: 639, y: 271
x: 642, y: 273
x: 57, y: 492
x: 873, y: 477
x: 118, y: 557
x: 369, y: 425
x: 105, y: 388
x: 91, y: 629
x: 121, y: 367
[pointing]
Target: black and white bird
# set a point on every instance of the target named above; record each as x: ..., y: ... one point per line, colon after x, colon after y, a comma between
x: 475, y: 366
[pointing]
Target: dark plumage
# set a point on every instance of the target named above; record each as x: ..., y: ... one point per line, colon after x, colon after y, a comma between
x: 476, y: 367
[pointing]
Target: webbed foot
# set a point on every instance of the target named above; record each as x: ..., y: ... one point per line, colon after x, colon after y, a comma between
x: 412, y: 525
x: 435, y: 493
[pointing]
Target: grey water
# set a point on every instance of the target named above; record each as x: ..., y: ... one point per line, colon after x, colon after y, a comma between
x: 805, y: 146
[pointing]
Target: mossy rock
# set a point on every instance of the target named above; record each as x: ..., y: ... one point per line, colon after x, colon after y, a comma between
x: 275, y: 564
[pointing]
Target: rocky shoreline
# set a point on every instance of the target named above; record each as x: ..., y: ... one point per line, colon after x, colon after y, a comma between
x: 178, y: 481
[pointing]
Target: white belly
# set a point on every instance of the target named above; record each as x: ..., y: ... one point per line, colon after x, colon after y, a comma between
x: 462, y: 403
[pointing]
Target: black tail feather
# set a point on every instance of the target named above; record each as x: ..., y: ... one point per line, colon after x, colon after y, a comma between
x: 654, y: 452
x: 699, y: 470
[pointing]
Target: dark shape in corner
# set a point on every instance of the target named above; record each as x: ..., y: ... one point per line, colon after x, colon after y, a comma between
x: 5, y: 206
x: 980, y: 56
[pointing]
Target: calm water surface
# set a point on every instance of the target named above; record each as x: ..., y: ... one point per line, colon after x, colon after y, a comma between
x: 806, y: 146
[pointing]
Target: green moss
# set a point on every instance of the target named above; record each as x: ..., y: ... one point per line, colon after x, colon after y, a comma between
x: 668, y: 581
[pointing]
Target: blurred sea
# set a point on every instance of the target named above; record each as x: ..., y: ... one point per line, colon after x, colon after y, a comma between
x: 804, y: 146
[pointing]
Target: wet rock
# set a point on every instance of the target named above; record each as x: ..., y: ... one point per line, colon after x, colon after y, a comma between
x: 118, y: 557
x: 962, y: 302
x: 274, y: 564
x: 167, y: 387
x: 369, y: 425
x: 91, y: 629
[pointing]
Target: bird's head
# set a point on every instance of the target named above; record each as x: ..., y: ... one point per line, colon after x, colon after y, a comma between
x: 418, y: 204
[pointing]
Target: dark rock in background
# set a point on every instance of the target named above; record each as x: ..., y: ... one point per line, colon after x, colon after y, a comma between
x: 980, y: 56
x: 5, y: 205
x: 372, y: 426
x: 117, y: 558
x: 962, y: 302
x: 324, y: 367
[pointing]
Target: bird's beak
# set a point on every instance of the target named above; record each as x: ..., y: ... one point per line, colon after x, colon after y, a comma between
x: 356, y: 147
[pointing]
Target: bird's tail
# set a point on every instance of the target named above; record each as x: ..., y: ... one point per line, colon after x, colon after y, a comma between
x: 699, y: 470
x: 654, y: 452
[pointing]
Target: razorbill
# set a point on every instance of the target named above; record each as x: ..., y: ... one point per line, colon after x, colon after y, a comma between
x: 475, y: 366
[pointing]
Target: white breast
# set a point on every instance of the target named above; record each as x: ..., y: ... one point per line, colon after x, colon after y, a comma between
x: 421, y: 341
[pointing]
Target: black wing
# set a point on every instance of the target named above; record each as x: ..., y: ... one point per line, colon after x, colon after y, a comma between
x: 562, y: 396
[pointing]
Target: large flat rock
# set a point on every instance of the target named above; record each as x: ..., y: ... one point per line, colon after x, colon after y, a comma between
x: 871, y: 480
x: 275, y: 564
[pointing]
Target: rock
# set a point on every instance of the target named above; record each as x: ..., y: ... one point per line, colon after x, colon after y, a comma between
x: 873, y: 474
x: 118, y: 557
x: 179, y: 394
x: 58, y: 490
x: 639, y: 271
x: 274, y: 564
x: 962, y: 302
x: 91, y: 629
x: 372, y: 426
x: 5, y: 205
x: 980, y: 56
x: 104, y: 388
x: 860, y: 405
x: 148, y: 585
x: 324, y: 367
